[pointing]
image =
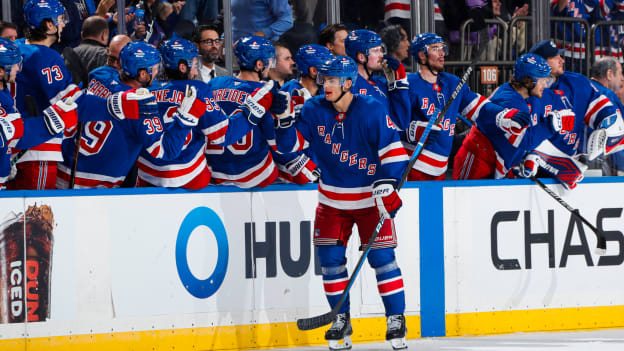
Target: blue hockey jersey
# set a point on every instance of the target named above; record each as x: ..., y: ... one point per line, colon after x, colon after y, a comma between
x: 396, y: 103
x: 510, y: 149
x: 29, y: 132
x: 214, y: 128
x: 353, y: 149
x: 589, y: 105
x: 248, y: 162
x: 109, y: 149
x: 425, y: 98
x: 46, y: 80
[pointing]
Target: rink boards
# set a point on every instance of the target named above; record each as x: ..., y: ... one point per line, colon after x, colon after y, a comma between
x: 143, y: 269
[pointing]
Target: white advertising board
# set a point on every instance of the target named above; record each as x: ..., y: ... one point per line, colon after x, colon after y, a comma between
x: 516, y: 248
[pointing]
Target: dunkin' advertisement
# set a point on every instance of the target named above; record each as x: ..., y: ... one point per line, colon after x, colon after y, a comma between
x: 26, y: 241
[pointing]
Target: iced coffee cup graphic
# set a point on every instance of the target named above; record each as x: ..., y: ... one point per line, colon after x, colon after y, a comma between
x: 25, y: 265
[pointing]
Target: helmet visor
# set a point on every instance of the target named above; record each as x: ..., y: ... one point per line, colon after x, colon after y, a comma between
x: 436, y: 48
x: 331, y: 81
x: 547, y: 81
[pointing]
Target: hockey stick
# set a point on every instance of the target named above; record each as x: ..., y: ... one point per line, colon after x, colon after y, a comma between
x: 72, y: 176
x: 324, y: 319
x: 601, y: 245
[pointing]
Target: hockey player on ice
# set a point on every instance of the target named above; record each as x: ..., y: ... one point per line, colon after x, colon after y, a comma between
x: 497, y: 143
x: 429, y: 90
x: 190, y: 170
x: 361, y: 160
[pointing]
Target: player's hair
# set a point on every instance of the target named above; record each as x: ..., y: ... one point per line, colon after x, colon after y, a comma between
x: 38, y: 34
x: 526, y: 82
x: 391, y: 36
x: 600, y: 67
x: 328, y: 34
x: 4, y: 25
x: 93, y: 26
x: 197, y: 32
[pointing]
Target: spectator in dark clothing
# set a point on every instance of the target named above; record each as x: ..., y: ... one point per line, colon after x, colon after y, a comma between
x: 92, y: 50
x: 77, y: 11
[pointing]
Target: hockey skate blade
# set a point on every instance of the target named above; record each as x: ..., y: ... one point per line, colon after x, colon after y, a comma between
x: 398, y: 344
x: 344, y: 344
x: 315, y: 322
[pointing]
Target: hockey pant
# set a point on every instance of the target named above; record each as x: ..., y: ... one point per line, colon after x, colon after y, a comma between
x: 34, y: 175
x: 476, y: 158
x: 389, y: 279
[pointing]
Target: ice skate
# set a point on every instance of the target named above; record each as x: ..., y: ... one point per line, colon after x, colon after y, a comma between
x: 339, y: 335
x: 396, y: 332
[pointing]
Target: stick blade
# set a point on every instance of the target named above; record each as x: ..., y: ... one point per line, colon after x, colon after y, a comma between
x: 316, y: 322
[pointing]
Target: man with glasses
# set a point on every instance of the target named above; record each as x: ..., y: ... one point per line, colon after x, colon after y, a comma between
x: 208, y: 42
x: 367, y: 50
x: 429, y: 90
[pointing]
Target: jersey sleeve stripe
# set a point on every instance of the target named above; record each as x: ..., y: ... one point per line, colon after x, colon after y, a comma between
x: 155, y: 150
x: 594, y: 108
x: 216, y: 133
x: 67, y: 92
x: 472, y: 110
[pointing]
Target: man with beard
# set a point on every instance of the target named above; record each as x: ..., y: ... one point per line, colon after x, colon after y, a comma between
x: 208, y: 42
x: 284, y: 66
x: 367, y: 50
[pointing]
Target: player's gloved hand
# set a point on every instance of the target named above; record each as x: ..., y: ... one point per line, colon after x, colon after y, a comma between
x: 282, y: 109
x: 562, y: 121
x: 528, y: 166
x: 61, y: 116
x: 513, y: 121
x: 303, y: 170
x: 607, y: 138
x: 395, y: 73
x: 386, y: 197
x: 191, y: 108
x: 7, y: 130
x: 560, y: 166
x: 298, y: 98
x: 416, y: 129
x: 257, y: 104
x: 132, y: 104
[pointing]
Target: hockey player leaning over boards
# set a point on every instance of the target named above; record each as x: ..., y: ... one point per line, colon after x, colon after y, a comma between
x: 361, y: 160
x: 109, y: 149
x: 367, y: 50
x: 190, y: 170
x: 429, y: 90
x: 43, y: 81
x: 251, y: 161
x: 592, y: 109
x: 24, y: 133
x: 496, y: 143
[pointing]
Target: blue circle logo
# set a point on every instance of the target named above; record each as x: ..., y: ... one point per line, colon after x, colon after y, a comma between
x: 198, y: 217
